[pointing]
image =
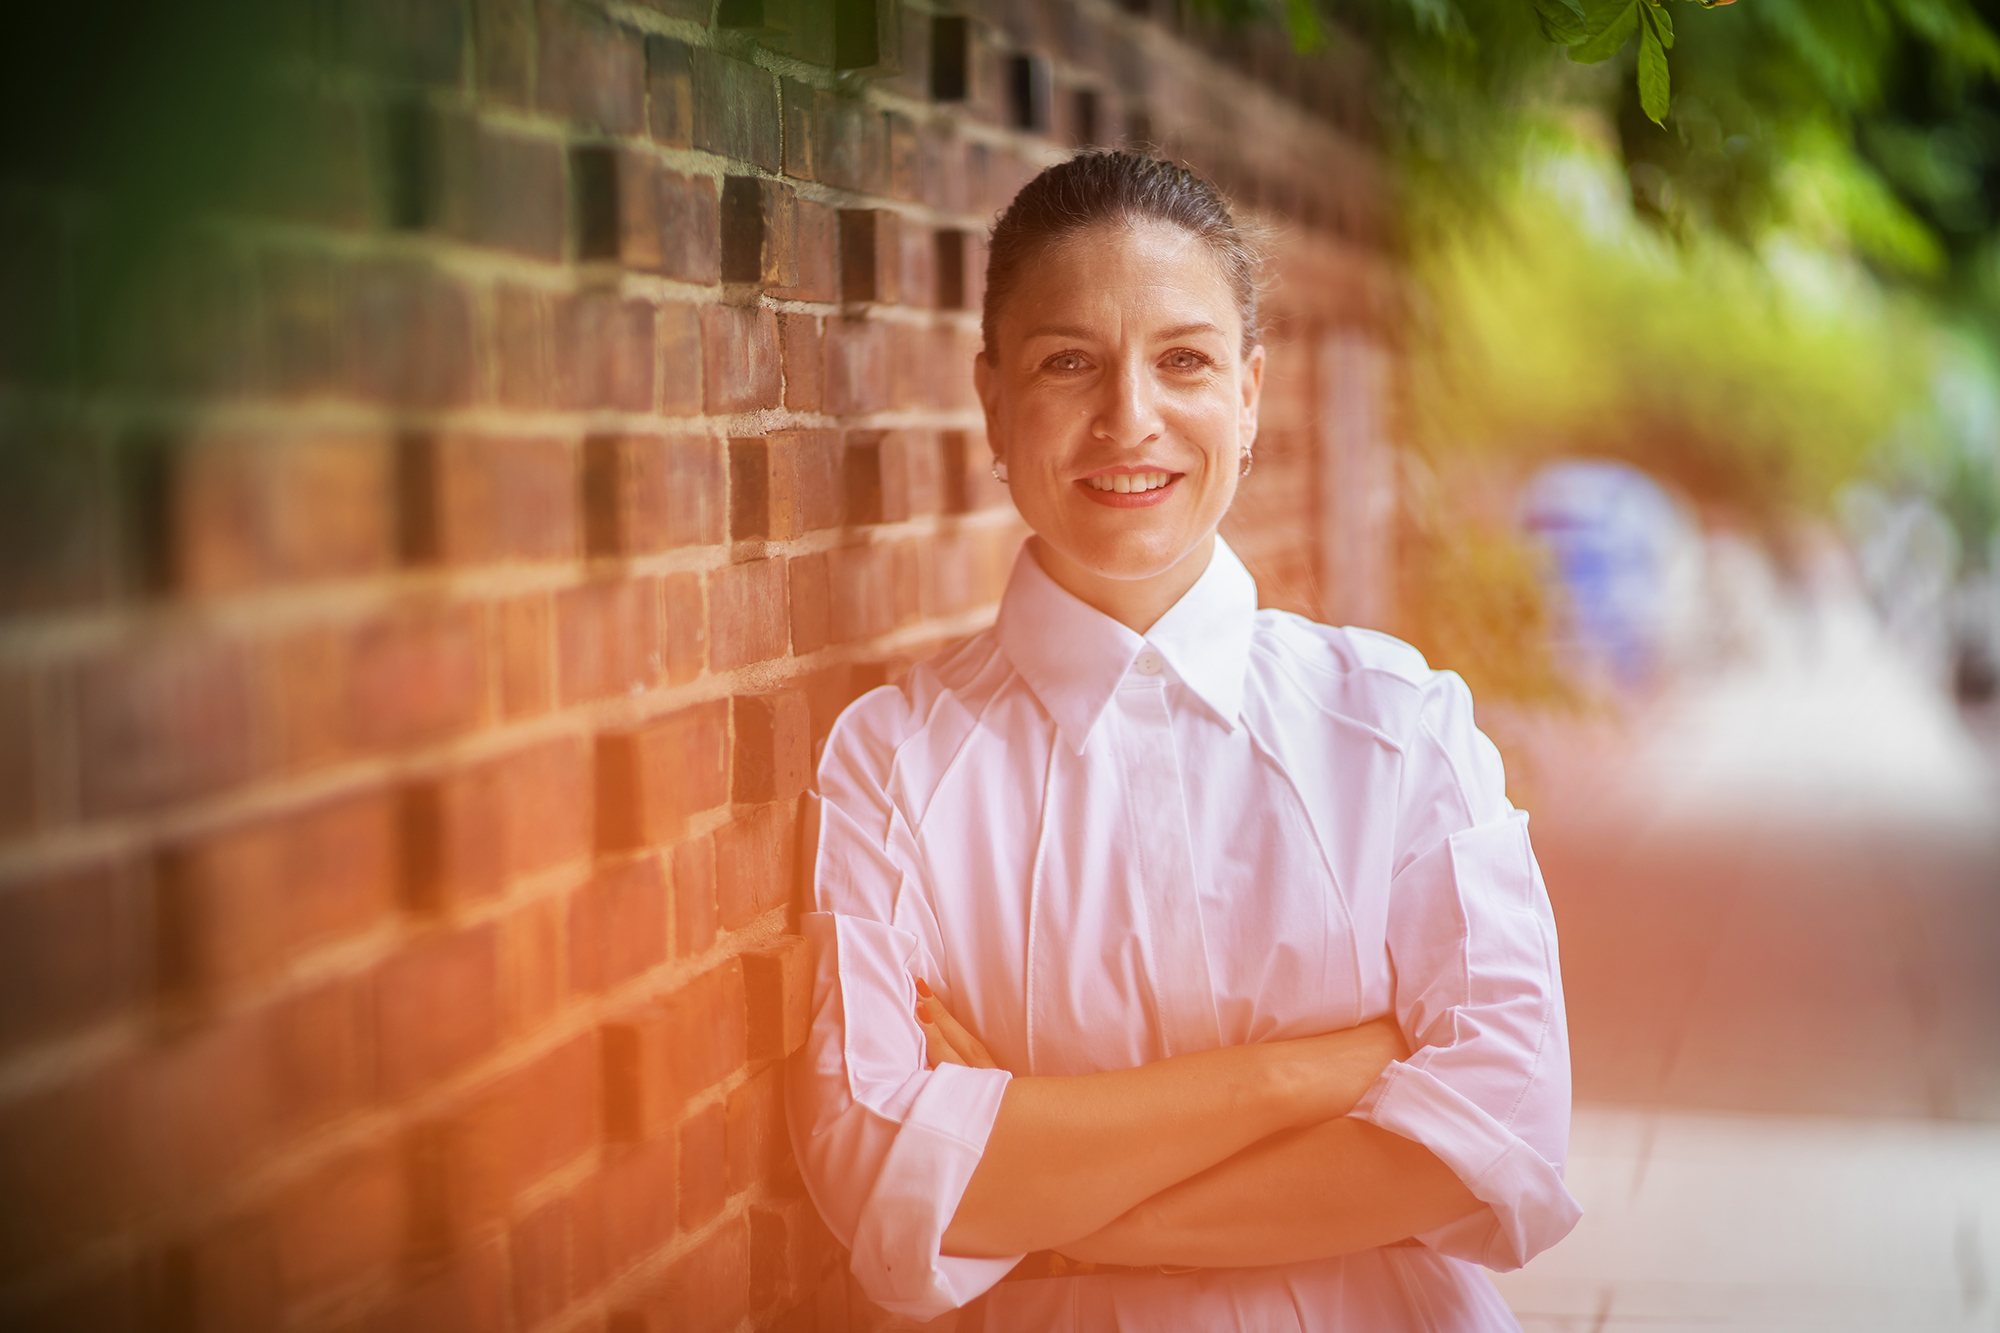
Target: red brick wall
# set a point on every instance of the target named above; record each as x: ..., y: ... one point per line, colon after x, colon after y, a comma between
x: 421, y: 609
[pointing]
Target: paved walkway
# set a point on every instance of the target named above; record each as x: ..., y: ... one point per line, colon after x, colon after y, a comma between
x: 1779, y: 897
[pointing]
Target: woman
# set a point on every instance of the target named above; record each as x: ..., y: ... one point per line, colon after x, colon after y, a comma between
x: 1235, y: 901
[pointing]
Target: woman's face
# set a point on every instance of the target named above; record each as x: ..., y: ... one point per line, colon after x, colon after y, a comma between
x: 1120, y: 402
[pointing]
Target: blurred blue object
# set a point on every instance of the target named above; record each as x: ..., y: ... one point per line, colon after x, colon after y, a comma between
x: 1612, y: 533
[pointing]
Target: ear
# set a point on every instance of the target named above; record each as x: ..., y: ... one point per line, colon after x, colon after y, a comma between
x: 1253, y: 395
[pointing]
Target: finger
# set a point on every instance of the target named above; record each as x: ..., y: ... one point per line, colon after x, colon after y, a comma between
x: 964, y: 1042
x: 938, y: 1049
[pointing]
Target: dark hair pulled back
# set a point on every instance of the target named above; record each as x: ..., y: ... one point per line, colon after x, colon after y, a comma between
x: 1120, y: 188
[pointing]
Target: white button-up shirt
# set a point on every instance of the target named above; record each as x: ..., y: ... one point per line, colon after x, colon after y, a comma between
x: 1102, y: 849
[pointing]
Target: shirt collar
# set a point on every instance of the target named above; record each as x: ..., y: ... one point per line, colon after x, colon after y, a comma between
x: 1073, y: 656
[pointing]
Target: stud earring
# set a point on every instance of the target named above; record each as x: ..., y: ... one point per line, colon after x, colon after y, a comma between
x: 999, y: 471
x: 1246, y: 464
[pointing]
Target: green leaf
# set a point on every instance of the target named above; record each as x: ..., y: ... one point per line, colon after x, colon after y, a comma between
x: 1663, y: 23
x: 1654, y: 88
x: 1562, y: 21
x: 1610, y: 28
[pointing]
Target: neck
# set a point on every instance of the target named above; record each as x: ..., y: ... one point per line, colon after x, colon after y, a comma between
x: 1137, y: 603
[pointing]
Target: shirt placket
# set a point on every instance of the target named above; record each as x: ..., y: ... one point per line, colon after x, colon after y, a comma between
x: 1163, y: 850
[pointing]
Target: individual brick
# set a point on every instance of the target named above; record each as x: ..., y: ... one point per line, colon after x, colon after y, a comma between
x: 590, y: 70
x: 629, y: 1211
x: 504, y: 498
x: 860, y: 600
x: 340, y: 1224
x: 617, y: 925
x: 523, y: 1126
x: 467, y: 834
x: 760, y: 227
x: 756, y: 1145
x: 809, y: 600
x: 669, y: 92
x: 740, y: 368
x: 801, y: 356
x: 778, y: 989
x: 856, y: 378
x: 704, y: 1167
x: 685, y: 623
x: 524, y: 634
x: 651, y: 493
x: 217, y: 920
x: 950, y: 57
x: 690, y: 228
x: 747, y: 617
x: 899, y: 141
x: 948, y: 266
x: 419, y: 43
x: 162, y: 720
x: 503, y: 36
x: 594, y: 187
x: 538, y: 1262
x: 69, y: 1167
x: 405, y: 334
x: 74, y: 949
x: 870, y: 251
x: 258, y: 512
x: 660, y: 1055
x: 607, y: 639
x: 320, y: 1048
x: 754, y: 861
x: 818, y: 251
x: 436, y: 1008
x: 652, y: 778
x: 801, y: 119
x: 464, y: 1290
x: 410, y: 676
x: 532, y: 954
x: 57, y: 525
x: 850, y: 142
x: 604, y: 352
x: 773, y: 746
x: 695, y: 917
x: 735, y: 110
x: 681, y: 361
x: 208, y: 1111
x: 705, y: 1291
x: 763, y: 497
x: 874, y: 478
x: 499, y: 189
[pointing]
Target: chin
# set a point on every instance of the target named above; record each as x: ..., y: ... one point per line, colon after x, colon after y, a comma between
x: 1133, y: 555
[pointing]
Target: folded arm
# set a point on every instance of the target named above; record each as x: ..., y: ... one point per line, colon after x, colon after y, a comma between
x: 1069, y: 1155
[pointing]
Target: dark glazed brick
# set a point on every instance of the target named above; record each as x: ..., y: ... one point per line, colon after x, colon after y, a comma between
x: 740, y: 371
x: 949, y: 268
x: 735, y: 110
x: 759, y: 232
x: 690, y: 228
x: 951, y: 46
x: 670, y: 92
x: 590, y: 70
x: 870, y: 253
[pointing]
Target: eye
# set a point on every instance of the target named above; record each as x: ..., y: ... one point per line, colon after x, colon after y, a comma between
x: 1066, y: 363
x: 1185, y: 360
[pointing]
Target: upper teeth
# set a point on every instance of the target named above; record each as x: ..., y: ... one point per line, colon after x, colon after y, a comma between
x: 1127, y: 482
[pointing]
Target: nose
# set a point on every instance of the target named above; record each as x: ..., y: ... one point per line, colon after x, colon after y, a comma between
x: 1127, y: 412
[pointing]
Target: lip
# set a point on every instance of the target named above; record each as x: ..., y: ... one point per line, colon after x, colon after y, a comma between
x: 1142, y: 500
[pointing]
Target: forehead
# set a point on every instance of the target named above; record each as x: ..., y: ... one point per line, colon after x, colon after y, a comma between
x: 1146, y: 272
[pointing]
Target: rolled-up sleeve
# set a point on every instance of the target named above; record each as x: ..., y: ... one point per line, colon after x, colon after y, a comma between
x: 1478, y: 992
x: 886, y: 1145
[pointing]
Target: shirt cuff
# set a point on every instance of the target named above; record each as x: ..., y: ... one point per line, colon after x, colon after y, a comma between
x: 1530, y: 1208
x: 899, y: 1239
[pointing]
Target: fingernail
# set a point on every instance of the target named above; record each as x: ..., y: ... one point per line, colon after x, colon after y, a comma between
x: 921, y: 1016
x: 923, y: 988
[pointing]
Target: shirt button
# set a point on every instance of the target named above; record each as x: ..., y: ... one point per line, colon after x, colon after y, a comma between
x: 1149, y: 664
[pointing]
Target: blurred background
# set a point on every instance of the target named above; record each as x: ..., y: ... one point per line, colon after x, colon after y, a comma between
x: 458, y: 456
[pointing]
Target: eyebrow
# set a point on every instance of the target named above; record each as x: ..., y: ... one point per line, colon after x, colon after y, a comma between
x: 1076, y: 331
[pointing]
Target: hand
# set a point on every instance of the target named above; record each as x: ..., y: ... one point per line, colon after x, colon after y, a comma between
x: 946, y: 1042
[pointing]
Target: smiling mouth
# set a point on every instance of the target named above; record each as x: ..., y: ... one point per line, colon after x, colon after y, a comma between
x: 1130, y: 483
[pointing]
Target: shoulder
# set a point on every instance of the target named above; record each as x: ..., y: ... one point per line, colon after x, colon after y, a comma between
x: 1363, y: 674
x: 878, y: 739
